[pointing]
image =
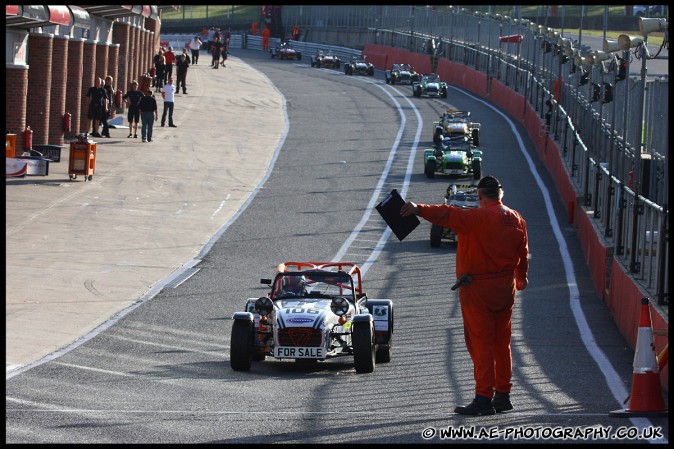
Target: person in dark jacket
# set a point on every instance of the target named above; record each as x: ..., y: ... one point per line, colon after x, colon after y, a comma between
x: 148, y: 115
x: 181, y: 72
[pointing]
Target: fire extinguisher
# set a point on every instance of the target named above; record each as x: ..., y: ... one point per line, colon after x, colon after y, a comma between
x: 66, y: 122
x: 28, y: 138
x: 118, y: 98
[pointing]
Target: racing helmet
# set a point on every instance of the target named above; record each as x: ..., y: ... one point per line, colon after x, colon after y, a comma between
x: 295, y: 284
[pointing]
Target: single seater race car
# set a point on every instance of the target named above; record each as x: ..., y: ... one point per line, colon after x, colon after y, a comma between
x: 454, y: 157
x: 459, y: 195
x: 285, y: 50
x: 314, y: 311
x: 327, y: 60
x: 455, y: 124
x: 429, y: 85
x: 359, y: 66
x: 401, y: 74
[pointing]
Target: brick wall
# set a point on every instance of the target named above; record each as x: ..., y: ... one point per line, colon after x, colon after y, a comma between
x: 16, y: 91
x: 88, y: 73
x: 59, y: 79
x: 39, y: 85
x: 120, y: 34
x: 74, y: 84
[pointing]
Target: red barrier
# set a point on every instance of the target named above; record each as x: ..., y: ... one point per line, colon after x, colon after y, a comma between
x: 377, y: 55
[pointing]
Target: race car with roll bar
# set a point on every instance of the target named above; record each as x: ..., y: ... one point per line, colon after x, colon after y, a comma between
x: 314, y: 311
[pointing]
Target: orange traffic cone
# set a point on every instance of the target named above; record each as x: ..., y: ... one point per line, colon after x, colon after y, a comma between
x: 646, y: 398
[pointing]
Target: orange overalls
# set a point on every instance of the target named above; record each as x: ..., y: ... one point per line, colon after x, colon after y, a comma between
x: 265, y: 38
x: 493, y: 248
x: 253, y: 29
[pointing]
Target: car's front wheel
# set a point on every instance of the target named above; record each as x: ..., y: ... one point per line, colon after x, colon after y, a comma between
x: 363, y: 347
x: 475, y: 134
x: 241, y: 345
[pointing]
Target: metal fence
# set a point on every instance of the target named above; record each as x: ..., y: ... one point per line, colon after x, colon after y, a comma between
x: 616, y: 152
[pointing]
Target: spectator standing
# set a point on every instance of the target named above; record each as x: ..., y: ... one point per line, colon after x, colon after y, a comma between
x: 148, y: 115
x: 187, y: 57
x: 227, y: 36
x: 159, y: 69
x: 225, y: 45
x: 296, y: 33
x: 266, y: 32
x: 253, y: 29
x: 170, y: 58
x: 168, y: 94
x: 493, y: 250
x: 195, y: 46
x: 215, y: 50
x: 107, y: 114
x: 132, y: 99
x: 181, y: 72
x: 97, y: 106
x: 211, y: 38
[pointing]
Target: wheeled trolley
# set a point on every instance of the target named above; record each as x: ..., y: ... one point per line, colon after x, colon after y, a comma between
x: 82, y: 160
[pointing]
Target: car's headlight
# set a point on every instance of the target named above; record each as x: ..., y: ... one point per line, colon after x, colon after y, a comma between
x: 264, y: 306
x: 339, y: 305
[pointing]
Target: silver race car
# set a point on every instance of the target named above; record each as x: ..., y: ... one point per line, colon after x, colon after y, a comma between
x: 314, y: 311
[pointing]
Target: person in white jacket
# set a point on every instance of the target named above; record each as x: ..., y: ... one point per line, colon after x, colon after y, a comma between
x: 195, y: 46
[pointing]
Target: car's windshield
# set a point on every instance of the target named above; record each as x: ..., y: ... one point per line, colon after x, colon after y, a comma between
x: 314, y: 283
x: 431, y: 78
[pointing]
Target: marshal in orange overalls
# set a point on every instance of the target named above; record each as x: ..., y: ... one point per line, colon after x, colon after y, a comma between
x: 493, y: 248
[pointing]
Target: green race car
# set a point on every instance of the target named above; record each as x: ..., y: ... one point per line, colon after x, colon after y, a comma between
x: 429, y: 85
x: 453, y: 157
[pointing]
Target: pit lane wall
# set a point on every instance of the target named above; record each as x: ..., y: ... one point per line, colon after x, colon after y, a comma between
x: 612, y: 283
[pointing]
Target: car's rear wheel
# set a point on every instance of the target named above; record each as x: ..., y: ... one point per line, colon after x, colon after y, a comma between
x: 477, y: 169
x: 429, y: 169
x: 241, y: 345
x: 436, y: 236
x: 363, y: 347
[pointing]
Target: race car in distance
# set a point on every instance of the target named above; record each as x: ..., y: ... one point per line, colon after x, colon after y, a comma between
x: 429, y: 85
x: 454, y: 157
x: 455, y: 124
x: 459, y: 195
x: 314, y: 311
x: 327, y: 60
x: 359, y: 66
x: 402, y: 74
x: 285, y: 50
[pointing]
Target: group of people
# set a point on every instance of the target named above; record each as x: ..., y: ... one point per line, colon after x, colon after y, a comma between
x: 141, y: 103
x: 162, y: 67
x: 101, y: 106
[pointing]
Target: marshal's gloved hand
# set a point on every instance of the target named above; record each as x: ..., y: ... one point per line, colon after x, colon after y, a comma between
x: 521, y: 284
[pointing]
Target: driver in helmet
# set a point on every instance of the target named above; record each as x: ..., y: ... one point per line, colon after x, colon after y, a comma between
x: 294, y: 285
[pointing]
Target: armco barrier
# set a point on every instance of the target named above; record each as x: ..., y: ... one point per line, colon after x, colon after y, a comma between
x: 624, y: 296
